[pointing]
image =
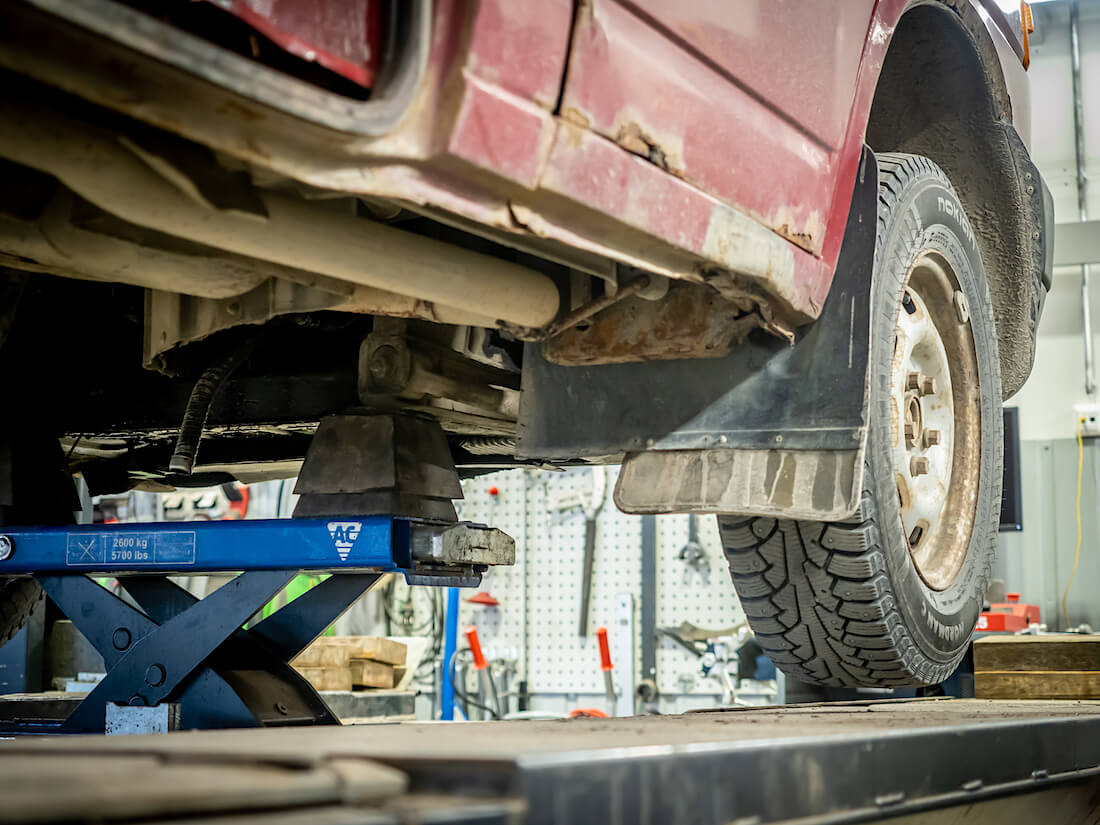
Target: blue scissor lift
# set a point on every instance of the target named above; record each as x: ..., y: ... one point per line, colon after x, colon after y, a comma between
x: 162, y: 646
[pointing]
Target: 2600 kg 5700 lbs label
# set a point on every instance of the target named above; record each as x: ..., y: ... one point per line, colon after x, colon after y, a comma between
x: 126, y: 549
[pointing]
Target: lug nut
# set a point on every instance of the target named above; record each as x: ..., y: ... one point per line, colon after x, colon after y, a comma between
x: 919, y: 466
x: 931, y: 438
x: 962, y: 306
x: 928, y: 386
x: 913, y: 381
x: 910, y: 435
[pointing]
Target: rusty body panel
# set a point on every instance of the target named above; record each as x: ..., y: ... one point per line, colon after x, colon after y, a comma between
x: 633, y: 131
x: 698, y: 120
x: 520, y: 47
x: 798, y: 59
x: 702, y: 238
x: 691, y: 321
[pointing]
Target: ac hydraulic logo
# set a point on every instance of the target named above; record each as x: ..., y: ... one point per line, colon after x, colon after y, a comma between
x: 344, y: 534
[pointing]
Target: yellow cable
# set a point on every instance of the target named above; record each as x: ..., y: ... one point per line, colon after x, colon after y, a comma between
x: 1077, y: 551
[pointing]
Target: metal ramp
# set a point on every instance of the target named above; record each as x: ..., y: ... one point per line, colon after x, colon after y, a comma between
x: 856, y: 762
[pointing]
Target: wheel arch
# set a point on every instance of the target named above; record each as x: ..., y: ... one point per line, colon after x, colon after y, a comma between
x: 942, y: 93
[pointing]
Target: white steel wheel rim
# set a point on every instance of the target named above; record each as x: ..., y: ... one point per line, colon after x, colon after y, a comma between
x: 936, y: 484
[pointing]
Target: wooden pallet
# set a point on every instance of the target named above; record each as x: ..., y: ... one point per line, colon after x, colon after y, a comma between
x: 1037, y: 667
x: 347, y: 662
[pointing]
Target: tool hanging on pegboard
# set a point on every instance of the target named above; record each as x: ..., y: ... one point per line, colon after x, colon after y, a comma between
x: 607, y: 668
x: 592, y: 510
x: 591, y: 505
x: 541, y: 595
x: 693, y: 554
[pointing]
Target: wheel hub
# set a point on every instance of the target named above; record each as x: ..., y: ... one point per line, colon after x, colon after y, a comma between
x: 926, y: 423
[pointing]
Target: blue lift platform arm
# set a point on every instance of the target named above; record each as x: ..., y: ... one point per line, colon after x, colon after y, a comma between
x: 330, y: 545
x: 196, y: 654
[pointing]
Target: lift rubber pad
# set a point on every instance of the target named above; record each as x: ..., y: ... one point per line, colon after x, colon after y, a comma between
x: 841, y: 762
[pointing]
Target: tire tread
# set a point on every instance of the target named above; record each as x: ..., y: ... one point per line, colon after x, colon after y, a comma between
x: 817, y: 595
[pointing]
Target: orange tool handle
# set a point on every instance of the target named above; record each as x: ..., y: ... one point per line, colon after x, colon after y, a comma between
x: 475, y: 647
x: 605, y: 651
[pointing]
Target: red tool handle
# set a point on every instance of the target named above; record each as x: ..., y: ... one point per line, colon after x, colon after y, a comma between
x: 475, y: 647
x: 605, y: 651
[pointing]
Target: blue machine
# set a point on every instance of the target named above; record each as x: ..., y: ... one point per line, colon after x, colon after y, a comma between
x: 172, y: 648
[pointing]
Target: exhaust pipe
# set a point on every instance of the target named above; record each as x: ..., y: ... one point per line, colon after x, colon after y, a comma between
x: 295, y: 233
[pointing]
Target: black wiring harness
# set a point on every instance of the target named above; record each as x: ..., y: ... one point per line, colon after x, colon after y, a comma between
x: 463, y: 696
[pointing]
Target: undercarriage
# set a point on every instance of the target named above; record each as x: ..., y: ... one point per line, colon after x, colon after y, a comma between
x: 251, y: 241
x: 149, y: 248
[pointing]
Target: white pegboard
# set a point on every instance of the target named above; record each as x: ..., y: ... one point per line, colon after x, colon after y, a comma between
x: 541, y: 596
x: 502, y: 630
x: 702, y: 595
x: 560, y: 660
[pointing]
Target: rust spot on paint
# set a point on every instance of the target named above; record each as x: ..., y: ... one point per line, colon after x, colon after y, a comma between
x: 803, y: 239
x: 573, y: 133
x: 576, y: 116
x: 804, y: 230
x: 635, y: 139
x: 691, y: 321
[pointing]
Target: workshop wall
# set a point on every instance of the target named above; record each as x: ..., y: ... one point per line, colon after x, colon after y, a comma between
x: 535, y: 628
x: 1050, y: 400
x: 1037, y: 562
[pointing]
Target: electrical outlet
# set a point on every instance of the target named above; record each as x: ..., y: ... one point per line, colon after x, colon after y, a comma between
x: 1088, y: 418
x: 1090, y: 425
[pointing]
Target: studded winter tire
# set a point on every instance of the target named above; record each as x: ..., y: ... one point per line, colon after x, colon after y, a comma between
x: 891, y: 596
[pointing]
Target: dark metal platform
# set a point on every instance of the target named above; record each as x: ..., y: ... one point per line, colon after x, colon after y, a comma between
x: 826, y: 763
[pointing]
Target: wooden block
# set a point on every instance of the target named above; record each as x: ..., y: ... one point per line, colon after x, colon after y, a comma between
x: 321, y: 652
x: 336, y: 651
x: 1018, y: 684
x: 368, y: 673
x: 327, y: 678
x: 377, y: 648
x: 1031, y: 653
x: 310, y: 657
x: 324, y: 654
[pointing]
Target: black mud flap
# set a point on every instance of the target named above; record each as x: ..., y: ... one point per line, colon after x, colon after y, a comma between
x: 772, y: 428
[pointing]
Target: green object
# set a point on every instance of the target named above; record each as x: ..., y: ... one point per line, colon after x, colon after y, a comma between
x: 300, y: 584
